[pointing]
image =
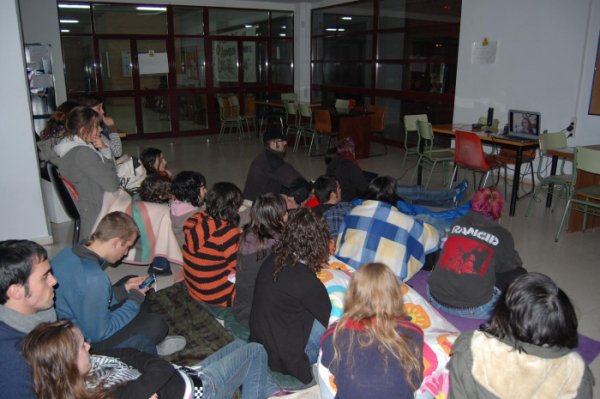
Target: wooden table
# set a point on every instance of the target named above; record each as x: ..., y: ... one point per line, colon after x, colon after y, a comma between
x: 518, y: 146
x: 583, y: 179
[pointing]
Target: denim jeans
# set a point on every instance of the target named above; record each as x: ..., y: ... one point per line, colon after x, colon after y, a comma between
x: 237, y: 364
x: 314, y: 341
x: 422, y: 196
x: 479, y: 312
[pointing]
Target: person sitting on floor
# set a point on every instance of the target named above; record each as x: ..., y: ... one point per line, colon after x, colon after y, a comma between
x: 211, y: 247
x: 62, y: 367
x: 477, y: 262
x: 374, y: 350
x: 154, y: 162
x: 344, y: 167
x: 110, y: 316
x: 189, y: 191
x: 268, y: 172
x: 296, y: 193
x: 526, y: 350
x: 329, y: 193
x: 26, y: 299
x: 291, y: 306
x: 267, y: 219
x: 376, y: 231
x: 156, y: 189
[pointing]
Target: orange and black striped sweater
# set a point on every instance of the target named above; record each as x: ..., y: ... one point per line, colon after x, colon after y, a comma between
x: 210, y: 255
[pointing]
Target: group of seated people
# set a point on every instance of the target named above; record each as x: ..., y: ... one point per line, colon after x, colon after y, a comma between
x: 256, y: 254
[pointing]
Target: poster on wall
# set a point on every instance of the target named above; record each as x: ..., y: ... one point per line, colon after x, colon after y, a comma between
x: 226, y: 58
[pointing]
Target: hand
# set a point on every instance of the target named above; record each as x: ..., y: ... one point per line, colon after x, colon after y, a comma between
x: 155, y: 396
x: 108, y: 121
x: 98, y: 143
x: 134, y: 283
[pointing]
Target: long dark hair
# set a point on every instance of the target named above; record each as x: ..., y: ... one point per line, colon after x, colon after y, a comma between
x: 223, y: 202
x: 536, y: 311
x: 51, y: 349
x: 305, y: 239
x: 55, y: 127
x: 80, y: 121
x: 382, y: 188
x: 148, y: 157
x: 266, y: 221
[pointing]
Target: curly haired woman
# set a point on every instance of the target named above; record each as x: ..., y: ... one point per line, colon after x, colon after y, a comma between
x: 291, y: 306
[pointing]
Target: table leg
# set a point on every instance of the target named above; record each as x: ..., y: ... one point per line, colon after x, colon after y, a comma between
x: 551, y: 186
x: 516, y: 178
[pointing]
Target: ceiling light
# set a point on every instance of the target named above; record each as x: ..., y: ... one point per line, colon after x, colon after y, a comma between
x: 81, y: 6
x: 69, y: 21
x: 150, y: 8
x: 282, y: 34
x: 247, y: 26
x: 331, y: 29
x: 283, y: 27
x: 347, y: 18
x: 65, y: 30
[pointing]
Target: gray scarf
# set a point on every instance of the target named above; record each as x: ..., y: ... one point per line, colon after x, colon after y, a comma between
x: 25, y: 323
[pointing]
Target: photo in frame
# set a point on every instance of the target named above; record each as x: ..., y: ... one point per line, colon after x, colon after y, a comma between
x: 527, y: 122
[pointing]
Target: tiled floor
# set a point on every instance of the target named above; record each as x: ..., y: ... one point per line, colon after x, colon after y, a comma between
x: 573, y: 262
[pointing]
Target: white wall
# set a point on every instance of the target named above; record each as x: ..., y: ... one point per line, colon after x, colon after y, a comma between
x: 541, y: 47
x: 21, y: 207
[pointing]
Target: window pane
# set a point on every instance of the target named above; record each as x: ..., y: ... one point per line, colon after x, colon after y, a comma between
x: 389, y: 76
x: 394, y: 14
x: 391, y: 46
x: 317, y: 73
x: 255, y: 62
x: 155, y: 114
x: 282, y: 24
x: 188, y: 20
x: 153, y: 64
x: 78, y: 56
x: 75, y: 20
x: 114, y: 19
x: 229, y: 22
x: 122, y: 110
x: 339, y: 48
x: 116, y: 64
x: 282, y: 61
x: 225, y: 60
x: 355, y: 17
x: 189, y: 59
x: 192, y: 112
x: 354, y: 74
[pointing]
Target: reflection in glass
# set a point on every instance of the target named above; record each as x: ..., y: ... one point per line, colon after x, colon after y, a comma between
x: 282, y: 24
x: 155, y: 114
x: 122, y: 110
x: 349, y: 18
x: 192, y: 112
x: 225, y: 61
x: 232, y: 22
x: 390, y: 46
x: 188, y: 20
x: 282, y: 62
x: 353, y: 74
x: 130, y: 19
x: 394, y: 14
x: 115, y: 59
x: 189, y: 61
x: 78, y: 58
x: 389, y: 76
x: 75, y: 20
x: 153, y: 64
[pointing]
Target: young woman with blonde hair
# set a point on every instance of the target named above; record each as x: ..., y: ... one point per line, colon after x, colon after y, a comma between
x: 374, y: 350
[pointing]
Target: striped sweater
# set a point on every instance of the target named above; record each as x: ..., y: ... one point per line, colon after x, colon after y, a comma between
x: 210, y: 256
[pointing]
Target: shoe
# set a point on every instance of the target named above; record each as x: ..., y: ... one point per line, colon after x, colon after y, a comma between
x: 193, y: 383
x: 461, y: 189
x: 170, y: 345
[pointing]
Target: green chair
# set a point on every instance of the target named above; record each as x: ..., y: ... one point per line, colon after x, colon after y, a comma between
x: 291, y: 117
x: 410, y: 129
x: 229, y: 118
x: 561, y: 180
x: 430, y: 154
x: 583, y: 199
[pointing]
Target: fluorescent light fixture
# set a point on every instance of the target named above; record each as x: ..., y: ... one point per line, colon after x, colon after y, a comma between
x: 347, y: 18
x: 341, y: 30
x: 150, y: 8
x: 282, y: 34
x: 248, y: 26
x: 80, y: 6
x: 283, y: 27
x: 331, y: 29
x: 65, y: 30
x: 69, y: 21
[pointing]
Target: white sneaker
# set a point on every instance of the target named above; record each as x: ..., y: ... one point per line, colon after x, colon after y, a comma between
x: 170, y: 345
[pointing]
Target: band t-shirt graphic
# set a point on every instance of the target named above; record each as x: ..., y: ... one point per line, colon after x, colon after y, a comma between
x: 477, y: 248
x: 466, y: 256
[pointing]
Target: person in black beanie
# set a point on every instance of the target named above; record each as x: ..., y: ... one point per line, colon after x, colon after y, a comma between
x: 269, y: 172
